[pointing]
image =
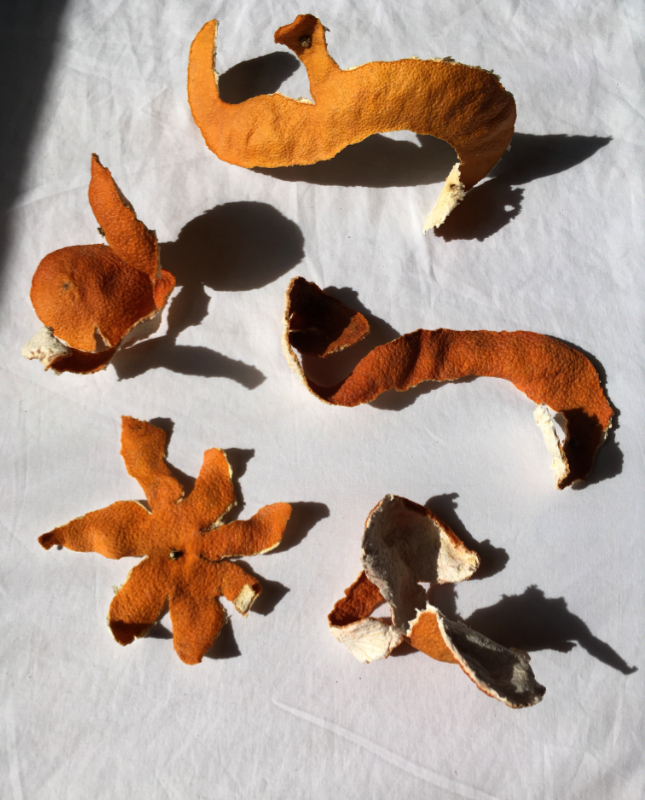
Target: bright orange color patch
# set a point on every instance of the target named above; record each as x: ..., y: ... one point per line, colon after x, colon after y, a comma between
x: 186, y: 545
x: 91, y: 295
x: 466, y: 106
x: 548, y: 371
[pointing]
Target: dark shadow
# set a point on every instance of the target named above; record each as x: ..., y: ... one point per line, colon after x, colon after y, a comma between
x: 225, y: 645
x: 29, y: 33
x: 493, y: 559
x: 532, y: 622
x: 377, y: 162
x: 272, y: 591
x: 492, y: 204
x: 162, y: 352
x: 234, y: 247
x: 262, y: 75
x: 304, y: 516
x: 238, y: 459
x: 231, y: 248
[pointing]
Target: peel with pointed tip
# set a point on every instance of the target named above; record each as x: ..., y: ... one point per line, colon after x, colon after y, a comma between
x: 466, y: 106
x: 89, y: 294
x: 553, y: 374
x: 184, y: 541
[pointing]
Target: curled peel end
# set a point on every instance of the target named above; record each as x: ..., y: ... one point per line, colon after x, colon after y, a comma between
x: 498, y: 671
x: 317, y: 324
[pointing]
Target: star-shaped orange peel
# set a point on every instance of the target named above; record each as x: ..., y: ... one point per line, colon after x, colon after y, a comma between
x: 90, y: 297
x: 185, y: 543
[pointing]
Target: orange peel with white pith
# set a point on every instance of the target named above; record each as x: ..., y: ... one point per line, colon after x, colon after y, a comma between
x: 404, y: 544
x: 184, y: 541
x: 553, y: 374
x: 86, y: 294
x: 466, y: 106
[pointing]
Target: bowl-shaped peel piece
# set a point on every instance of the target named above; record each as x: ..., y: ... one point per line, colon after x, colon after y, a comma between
x: 90, y: 297
x: 550, y: 372
x: 403, y: 544
x: 466, y: 106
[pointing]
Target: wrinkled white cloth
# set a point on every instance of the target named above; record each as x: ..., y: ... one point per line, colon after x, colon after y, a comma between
x: 552, y: 243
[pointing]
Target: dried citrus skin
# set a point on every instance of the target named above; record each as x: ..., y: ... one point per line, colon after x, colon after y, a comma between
x: 466, y: 106
x: 405, y: 544
x: 548, y: 371
x: 92, y: 296
x: 184, y: 541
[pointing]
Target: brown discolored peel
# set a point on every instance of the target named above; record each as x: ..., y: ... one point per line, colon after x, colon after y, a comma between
x: 90, y: 297
x: 551, y: 373
x: 466, y: 106
x: 405, y: 544
x: 185, y: 543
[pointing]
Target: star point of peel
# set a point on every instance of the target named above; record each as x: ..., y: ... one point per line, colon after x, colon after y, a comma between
x: 405, y: 544
x: 90, y: 297
x: 553, y: 374
x: 184, y: 542
x: 466, y: 106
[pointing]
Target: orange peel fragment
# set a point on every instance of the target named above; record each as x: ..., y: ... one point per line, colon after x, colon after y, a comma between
x: 86, y: 294
x: 466, y: 106
x: 404, y: 544
x: 184, y: 541
x: 554, y: 375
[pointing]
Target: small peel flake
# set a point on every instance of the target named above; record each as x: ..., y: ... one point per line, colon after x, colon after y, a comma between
x: 91, y: 297
x: 185, y: 545
x: 549, y: 372
x: 466, y: 106
x: 403, y: 544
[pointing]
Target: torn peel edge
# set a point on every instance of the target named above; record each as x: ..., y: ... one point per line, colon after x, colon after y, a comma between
x: 501, y: 673
x: 60, y: 357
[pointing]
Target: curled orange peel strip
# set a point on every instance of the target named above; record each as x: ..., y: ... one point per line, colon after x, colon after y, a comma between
x: 184, y: 541
x: 404, y: 544
x: 552, y: 374
x: 89, y: 294
x: 466, y: 106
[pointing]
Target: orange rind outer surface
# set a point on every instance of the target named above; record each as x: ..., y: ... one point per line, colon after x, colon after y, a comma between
x: 184, y: 540
x: 91, y: 297
x: 548, y: 371
x: 466, y: 106
x: 498, y: 671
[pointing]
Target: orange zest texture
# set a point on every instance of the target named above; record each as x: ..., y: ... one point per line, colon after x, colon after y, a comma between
x: 551, y: 373
x: 185, y: 543
x: 405, y: 544
x: 89, y: 297
x: 466, y: 106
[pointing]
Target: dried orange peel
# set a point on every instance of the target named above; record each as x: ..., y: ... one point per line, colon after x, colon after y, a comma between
x: 466, y: 106
x: 404, y: 544
x: 185, y: 543
x: 90, y: 297
x: 554, y: 375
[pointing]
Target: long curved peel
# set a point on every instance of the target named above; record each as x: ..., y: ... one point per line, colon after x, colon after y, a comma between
x: 549, y: 372
x: 466, y: 106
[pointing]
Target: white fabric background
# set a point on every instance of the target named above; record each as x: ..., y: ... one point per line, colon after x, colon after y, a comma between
x: 552, y: 242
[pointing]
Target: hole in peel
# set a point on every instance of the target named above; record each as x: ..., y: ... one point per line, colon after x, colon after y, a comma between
x: 175, y: 554
x: 305, y: 41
